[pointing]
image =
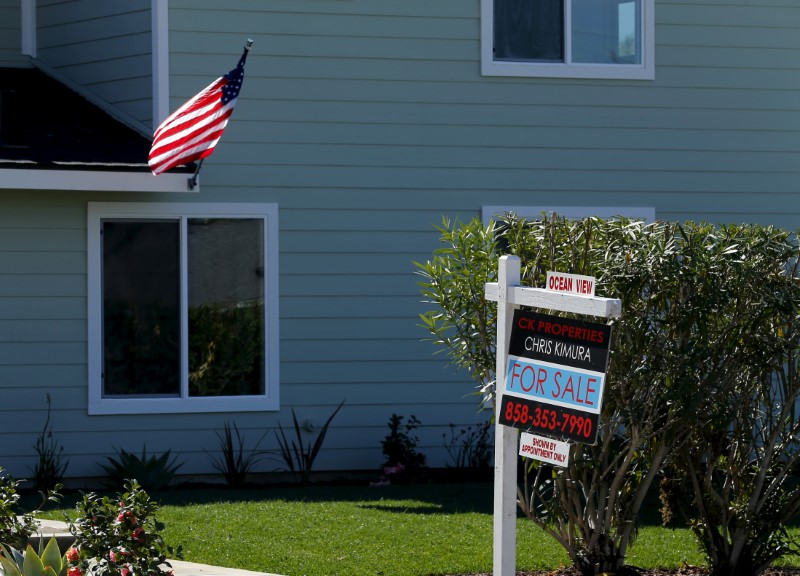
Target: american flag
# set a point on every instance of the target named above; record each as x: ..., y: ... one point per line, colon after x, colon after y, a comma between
x: 191, y: 132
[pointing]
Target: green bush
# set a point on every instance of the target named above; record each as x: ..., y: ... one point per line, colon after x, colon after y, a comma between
x: 119, y: 536
x: 707, y: 312
x: 15, y: 526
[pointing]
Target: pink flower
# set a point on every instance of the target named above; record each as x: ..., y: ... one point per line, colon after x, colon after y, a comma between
x: 138, y: 534
x: 392, y: 470
x: 74, y: 572
x: 113, y: 556
x: 123, y: 572
x: 127, y: 515
x: 73, y: 555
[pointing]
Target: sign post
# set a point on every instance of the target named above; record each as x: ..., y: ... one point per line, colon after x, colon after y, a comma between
x: 578, y: 407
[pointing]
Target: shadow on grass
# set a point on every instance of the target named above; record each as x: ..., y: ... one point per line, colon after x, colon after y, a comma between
x: 402, y: 499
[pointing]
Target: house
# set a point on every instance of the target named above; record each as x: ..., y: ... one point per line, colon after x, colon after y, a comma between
x: 360, y: 124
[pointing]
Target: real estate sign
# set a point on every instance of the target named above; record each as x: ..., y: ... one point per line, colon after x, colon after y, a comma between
x: 555, y: 376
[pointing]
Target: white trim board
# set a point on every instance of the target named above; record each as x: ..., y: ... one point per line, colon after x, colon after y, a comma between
x: 93, y: 181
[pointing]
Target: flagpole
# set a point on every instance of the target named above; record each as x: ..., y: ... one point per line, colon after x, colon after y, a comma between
x: 192, y: 182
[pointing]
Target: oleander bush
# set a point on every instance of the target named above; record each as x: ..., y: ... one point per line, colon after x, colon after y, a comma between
x: 702, y: 376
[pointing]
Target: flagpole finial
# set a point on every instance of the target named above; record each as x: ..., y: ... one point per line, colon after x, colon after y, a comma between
x: 248, y: 44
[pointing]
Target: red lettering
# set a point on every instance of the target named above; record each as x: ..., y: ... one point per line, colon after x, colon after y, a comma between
x: 590, y: 390
x: 541, y: 377
x: 569, y: 388
x: 522, y: 379
x: 578, y: 397
x: 515, y: 375
x: 557, y: 392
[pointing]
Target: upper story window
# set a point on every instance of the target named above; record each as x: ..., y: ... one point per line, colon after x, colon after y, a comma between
x: 182, y: 308
x: 568, y: 38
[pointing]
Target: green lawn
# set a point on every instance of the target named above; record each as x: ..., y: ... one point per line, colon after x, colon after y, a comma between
x: 398, y: 530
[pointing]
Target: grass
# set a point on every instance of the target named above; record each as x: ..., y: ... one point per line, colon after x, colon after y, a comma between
x: 414, y: 530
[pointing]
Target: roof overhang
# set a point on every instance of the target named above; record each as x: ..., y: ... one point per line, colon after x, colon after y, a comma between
x: 55, y: 138
x: 94, y: 180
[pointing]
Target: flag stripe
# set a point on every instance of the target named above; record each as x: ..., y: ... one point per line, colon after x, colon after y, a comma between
x: 200, y: 141
x: 184, y: 134
x: 193, y: 130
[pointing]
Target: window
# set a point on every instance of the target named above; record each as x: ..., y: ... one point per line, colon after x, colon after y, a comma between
x: 182, y: 307
x: 568, y: 38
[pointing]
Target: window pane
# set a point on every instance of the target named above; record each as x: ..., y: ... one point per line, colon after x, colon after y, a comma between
x: 606, y: 32
x: 529, y: 30
x: 226, y: 307
x: 141, y: 308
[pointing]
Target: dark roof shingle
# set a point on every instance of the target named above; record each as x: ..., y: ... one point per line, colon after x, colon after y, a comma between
x: 44, y: 124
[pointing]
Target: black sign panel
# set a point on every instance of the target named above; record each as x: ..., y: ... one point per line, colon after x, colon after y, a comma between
x: 562, y: 341
x: 549, y: 420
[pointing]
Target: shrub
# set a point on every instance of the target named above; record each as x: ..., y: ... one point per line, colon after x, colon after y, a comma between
x: 118, y: 537
x: 470, y: 448
x: 400, y: 445
x: 15, y: 526
x: 705, y: 311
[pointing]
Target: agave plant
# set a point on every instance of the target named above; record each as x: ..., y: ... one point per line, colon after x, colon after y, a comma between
x: 47, y: 562
x: 151, y: 472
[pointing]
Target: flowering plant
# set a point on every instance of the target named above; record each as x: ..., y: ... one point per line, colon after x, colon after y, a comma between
x: 118, y: 537
x: 15, y: 527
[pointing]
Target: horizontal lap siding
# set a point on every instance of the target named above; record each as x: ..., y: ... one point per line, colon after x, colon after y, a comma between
x: 103, y: 46
x: 42, y: 320
x: 367, y: 122
x: 11, y: 34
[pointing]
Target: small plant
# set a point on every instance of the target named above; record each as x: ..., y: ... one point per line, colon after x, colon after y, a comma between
x: 234, y: 463
x: 50, y: 466
x: 118, y: 537
x: 400, y: 445
x: 47, y: 562
x: 15, y: 527
x: 298, y: 458
x: 470, y: 448
x: 151, y: 473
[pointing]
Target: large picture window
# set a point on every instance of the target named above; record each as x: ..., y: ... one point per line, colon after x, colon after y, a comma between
x: 568, y: 38
x: 182, y: 307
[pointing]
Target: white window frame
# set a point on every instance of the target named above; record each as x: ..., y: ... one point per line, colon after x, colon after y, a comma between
x: 568, y: 69
x: 96, y: 213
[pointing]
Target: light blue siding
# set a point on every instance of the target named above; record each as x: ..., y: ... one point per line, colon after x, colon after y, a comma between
x: 103, y: 46
x: 11, y: 34
x: 367, y: 122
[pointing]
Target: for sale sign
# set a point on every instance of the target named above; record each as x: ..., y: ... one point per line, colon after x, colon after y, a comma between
x: 555, y: 376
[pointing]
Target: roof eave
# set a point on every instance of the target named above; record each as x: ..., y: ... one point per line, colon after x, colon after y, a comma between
x: 94, y: 180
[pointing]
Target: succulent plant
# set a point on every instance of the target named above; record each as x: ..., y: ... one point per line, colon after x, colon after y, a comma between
x: 47, y: 562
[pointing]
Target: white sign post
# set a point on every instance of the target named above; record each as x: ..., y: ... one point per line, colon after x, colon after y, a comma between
x: 509, y: 296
